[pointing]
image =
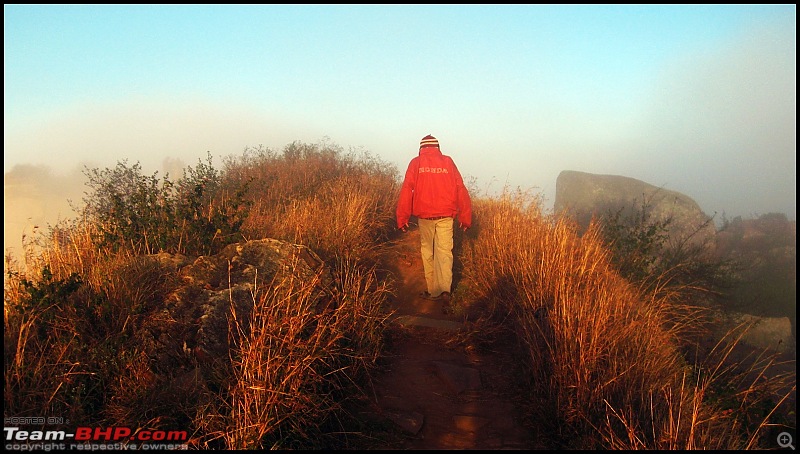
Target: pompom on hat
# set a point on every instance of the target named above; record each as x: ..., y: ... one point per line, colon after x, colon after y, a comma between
x: 429, y: 141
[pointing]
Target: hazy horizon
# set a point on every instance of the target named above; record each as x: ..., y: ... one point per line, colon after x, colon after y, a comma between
x: 698, y: 99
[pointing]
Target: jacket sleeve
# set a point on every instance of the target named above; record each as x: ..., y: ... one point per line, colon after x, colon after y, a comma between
x: 463, y: 200
x: 405, y: 201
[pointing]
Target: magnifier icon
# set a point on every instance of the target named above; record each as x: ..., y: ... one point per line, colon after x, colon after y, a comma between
x: 785, y: 440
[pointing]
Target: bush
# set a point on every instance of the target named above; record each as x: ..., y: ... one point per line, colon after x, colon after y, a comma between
x: 143, y: 214
x: 644, y: 253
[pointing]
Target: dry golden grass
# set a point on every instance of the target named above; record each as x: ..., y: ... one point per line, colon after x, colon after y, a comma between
x: 604, y: 354
x: 76, y: 318
x: 604, y: 357
x: 294, y: 364
x: 338, y: 207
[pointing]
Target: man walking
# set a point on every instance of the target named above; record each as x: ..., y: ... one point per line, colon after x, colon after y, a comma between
x: 434, y: 192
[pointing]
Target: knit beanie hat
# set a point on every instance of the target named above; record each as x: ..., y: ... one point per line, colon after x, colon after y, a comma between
x: 429, y: 141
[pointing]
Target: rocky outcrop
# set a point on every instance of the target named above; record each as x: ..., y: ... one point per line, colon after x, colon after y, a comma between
x: 583, y: 195
x: 195, y: 320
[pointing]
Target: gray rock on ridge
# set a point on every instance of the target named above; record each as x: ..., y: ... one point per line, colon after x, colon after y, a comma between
x: 583, y: 195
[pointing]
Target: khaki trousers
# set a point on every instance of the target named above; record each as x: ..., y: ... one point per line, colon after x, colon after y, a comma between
x: 436, y: 245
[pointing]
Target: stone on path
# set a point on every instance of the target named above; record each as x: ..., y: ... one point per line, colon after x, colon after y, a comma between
x: 410, y: 422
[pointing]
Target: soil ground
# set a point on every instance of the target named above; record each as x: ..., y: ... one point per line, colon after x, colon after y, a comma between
x: 438, y: 387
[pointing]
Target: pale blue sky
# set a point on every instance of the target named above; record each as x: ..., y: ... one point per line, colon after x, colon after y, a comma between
x: 699, y: 99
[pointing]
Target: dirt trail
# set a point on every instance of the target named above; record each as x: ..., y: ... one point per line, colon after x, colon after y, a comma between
x: 437, y: 387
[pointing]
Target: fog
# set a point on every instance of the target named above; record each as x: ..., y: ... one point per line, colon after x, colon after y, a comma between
x: 708, y: 114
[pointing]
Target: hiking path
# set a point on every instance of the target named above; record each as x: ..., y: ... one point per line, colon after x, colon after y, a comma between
x: 439, y: 388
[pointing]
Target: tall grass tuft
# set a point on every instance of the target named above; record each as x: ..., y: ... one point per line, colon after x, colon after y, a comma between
x: 72, y: 327
x: 295, y: 365
x: 603, y: 354
x: 339, y: 204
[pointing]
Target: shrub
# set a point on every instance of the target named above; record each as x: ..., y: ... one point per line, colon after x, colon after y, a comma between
x: 143, y: 214
x: 643, y: 252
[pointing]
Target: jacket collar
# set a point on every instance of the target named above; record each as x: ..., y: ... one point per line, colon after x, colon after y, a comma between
x: 430, y: 151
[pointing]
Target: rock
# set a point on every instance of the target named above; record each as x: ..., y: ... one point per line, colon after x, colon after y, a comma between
x: 172, y: 262
x: 582, y: 195
x: 195, y: 319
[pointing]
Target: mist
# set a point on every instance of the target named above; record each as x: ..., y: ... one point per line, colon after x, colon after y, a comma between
x: 163, y: 138
x: 716, y: 123
x: 35, y: 198
x: 721, y: 128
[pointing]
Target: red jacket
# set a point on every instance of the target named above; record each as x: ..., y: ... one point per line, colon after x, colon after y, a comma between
x: 433, y: 187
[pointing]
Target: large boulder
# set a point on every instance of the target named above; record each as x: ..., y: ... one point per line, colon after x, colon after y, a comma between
x: 583, y: 196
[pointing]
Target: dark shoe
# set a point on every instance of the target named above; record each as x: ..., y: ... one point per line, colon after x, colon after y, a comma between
x: 427, y: 296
